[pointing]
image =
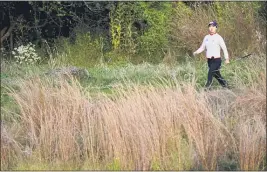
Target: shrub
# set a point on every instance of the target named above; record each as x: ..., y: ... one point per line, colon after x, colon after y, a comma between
x: 146, y: 42
x: 122, y: 18
x: 26, y: 54
x: 84, y: 52
x: 155, y: 38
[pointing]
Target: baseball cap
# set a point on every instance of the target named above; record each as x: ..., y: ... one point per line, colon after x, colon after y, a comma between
x: 213, y: 23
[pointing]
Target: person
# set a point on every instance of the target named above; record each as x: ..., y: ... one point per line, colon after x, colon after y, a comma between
x: 213, y: 43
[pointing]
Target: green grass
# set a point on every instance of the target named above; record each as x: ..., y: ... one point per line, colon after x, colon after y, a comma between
x: 242, y: 72
x: 104, y: 78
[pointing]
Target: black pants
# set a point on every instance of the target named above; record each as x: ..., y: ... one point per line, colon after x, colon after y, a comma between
x: 214, y: 71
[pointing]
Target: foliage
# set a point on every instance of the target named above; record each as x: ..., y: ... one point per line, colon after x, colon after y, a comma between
x: 180, y: 27
x: 38, y: 21
x: 85, y: 52
x: 122, y: 17
x: 141, y: 31
x: 26, y: 54
x: 140, y: 28
x: 231, y: 17
x: 3, y: 53
x: 155, y: 38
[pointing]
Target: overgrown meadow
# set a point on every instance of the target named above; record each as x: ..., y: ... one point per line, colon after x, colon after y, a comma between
x: 139, y: 103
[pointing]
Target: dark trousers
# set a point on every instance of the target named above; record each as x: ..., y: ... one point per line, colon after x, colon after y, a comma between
x: 214, y: 71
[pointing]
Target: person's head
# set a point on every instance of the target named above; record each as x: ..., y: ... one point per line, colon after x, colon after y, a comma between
x: 213, y: 27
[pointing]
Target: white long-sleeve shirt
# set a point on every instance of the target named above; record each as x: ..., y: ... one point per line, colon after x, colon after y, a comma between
x: 213, y: 43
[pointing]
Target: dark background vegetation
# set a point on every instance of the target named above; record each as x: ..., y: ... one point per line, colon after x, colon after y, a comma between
x: 131, y: 31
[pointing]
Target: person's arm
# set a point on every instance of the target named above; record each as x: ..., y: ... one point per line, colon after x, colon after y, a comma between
x: 201, y: 48
x: 225, y: 52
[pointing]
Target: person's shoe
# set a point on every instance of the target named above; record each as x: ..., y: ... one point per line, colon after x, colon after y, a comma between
x: 226, y: 86
x: 207, y: 85
x: 207, y: 88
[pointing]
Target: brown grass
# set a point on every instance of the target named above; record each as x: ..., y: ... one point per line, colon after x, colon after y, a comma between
x: 250, y: 130
x: 10, y: 147
x: 252, y: 143
x: 140, y: 128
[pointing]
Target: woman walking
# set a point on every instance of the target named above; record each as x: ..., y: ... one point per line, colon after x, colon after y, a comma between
x: 213, y: 43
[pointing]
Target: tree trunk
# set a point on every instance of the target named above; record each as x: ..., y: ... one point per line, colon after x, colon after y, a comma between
x: 11, y: 41
x: 1, y: 35
x: 5, y: 34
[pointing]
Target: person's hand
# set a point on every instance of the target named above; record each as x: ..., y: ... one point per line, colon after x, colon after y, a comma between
x: 227, y: 61
x: 194, y: 53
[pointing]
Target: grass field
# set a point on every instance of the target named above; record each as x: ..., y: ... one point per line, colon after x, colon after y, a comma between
x: 134, y: 117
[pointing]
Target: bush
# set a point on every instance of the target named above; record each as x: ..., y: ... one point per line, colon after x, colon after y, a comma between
x: 26, y: 54
x: 155, y: 38
x: 84, y: 52
x: 122, y: 18
x: 146, y: 41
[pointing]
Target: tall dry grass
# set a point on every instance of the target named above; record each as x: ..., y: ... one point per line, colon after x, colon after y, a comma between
x: 251, y: 135
x: 11, y: 148
x: 171, y: 127
x: 250, y: 130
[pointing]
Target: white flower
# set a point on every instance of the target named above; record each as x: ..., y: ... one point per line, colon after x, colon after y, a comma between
x: 26, y: 54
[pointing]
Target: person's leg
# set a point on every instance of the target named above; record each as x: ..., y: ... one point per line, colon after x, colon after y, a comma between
x: 209, y: 81
x: 220, y: 79
x: 210, y: 72
x: 216, y: 72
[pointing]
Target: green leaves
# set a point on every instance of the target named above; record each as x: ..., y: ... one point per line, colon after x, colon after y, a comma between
x: 157, y: 15
x: 147, y: 40
x: 122, y: 17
